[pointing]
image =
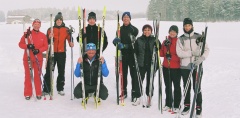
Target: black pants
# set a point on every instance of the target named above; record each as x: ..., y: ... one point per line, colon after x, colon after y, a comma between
x: 128, y: 61
x: 143, y: 71
x: 60, y: 60
x: 185, y: 74
x: 175, y: 78
x: 103, y: 93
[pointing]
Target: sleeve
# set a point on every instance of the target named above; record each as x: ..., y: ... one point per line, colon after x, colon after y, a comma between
x: 135, y: 32
x: 22, y: 43
x: 162, y: 50
x: 47, y: 35
x: 77, y: 70
x: 105, y: 70
x: 105, y: 43
x: 180, y: 50
x: 68, y: 36
x: 206, y: 51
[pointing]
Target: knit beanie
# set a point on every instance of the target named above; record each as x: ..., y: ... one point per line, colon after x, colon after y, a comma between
x: 147, y: 26
x: 91, y: 46
x: 187, y: 21
x: 58, y: 16
x: 126, y: 13
x: 174, y: 28
x: 36, y: 21
x: 92, y: 15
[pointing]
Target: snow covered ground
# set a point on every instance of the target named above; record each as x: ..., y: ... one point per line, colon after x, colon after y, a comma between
x: 220, y: 84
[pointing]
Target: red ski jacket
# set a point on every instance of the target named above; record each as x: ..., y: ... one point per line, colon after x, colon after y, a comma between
x: 175, y: 60
x: 39, y: 40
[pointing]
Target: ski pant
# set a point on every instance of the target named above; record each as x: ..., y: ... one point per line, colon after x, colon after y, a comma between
x: 103, y: 92
x: 185, y: 74
x: 128, y: 61
x: 60, y: 60
x: 172, y: 76
x: 143, y: 71
x: 36, y: 76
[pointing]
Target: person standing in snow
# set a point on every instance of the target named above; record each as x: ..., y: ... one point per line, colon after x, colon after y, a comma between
x: 92, y: 34
x: 171, y: 70
x: 90, y: 69
x: 60, y: 35
x: 143, y: 47
x: 188, y: 49
x: 37, y: 43
x: 124, y: 44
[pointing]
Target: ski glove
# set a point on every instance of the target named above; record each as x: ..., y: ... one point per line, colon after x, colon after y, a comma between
x: 116, y: 40
x: 169, y: 56
x: 30, y: 46
x: 84, y: 35
x: 167, y: 42
x: 198, y: 61
x: 122, y: 46
x: 35, y: 51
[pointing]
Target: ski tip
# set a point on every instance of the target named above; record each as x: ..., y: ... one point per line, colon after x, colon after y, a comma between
x: 79, y: 11
x: 104, y: 11
x: 122, y: 104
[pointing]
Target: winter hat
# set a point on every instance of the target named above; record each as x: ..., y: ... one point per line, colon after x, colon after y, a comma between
x: 146, y: 26
x: 36, y: 21
x: 174, y: 28
x: 58, y: 16
x: 126, y: 13
x: 187, y: 21
x: 91, y: 46
x: 92, y: 15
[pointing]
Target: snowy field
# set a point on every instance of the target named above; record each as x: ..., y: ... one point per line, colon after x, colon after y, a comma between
x: 220, y: 84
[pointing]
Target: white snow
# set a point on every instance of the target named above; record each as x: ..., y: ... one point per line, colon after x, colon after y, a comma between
x: 220, y: 84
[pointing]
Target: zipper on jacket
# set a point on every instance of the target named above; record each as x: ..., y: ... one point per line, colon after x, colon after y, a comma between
x: 190, y: 48
x: 58, y: 38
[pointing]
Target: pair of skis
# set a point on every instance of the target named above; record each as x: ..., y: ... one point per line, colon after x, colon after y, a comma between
x: 118, y: 69
x: 27, y: 34
x: 82, y: 52
x: 156, y: 24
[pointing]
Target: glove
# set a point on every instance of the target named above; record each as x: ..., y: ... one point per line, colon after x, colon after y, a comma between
x: 35, y: 51
x: 169, y: 56
x: 199, y: 60
x: 122, y: 46
x: 167, y: 42
x: 83, y: 36
x: 30, y: 46
x: 156, y: 49
x: 200, y: 39
x: 116, y: 40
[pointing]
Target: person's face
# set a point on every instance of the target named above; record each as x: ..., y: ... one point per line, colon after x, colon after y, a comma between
x: 91, y: 53
x: 147, y: 32
x: 36, y: 26
x: 188, y: 27
x: 126, y: 20
x: 59, y: 22
x: 172, y: 34
x: 91, y: 21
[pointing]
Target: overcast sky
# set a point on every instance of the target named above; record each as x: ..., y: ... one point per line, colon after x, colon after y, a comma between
x: 133, y: 6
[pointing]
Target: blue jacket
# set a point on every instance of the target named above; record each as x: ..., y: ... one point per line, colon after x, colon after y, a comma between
x: 91, y: 70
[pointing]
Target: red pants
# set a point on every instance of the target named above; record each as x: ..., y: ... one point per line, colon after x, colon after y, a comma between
x: 37, y: 81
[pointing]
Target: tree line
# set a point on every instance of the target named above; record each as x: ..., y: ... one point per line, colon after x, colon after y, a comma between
x: 68, y: 13
x: 198, y: 10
